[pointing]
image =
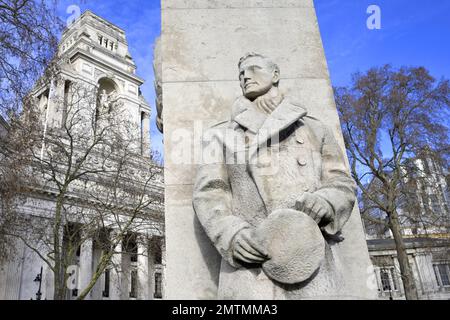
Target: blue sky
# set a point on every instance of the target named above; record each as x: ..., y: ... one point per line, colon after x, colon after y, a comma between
x: 413, y: 33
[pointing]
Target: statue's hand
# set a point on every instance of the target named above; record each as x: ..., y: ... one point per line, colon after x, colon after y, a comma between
x: 314, y: 206
x: 247, y: 248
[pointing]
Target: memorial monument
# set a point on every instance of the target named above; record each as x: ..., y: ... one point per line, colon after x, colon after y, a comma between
x: 269, y: 178
x: 274, y: 208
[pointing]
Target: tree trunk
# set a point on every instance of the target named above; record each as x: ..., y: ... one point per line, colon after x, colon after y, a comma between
x: 59, y: 285
x: 409, y: 283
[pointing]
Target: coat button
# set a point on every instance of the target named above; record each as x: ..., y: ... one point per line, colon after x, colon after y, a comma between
x: 299, y: 137
x: 301, y: 162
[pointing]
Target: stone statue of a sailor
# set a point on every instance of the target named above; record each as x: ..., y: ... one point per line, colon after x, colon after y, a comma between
x: 273, y: 193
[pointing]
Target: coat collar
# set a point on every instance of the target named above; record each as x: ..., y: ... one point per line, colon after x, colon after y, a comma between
x: 247, y: 116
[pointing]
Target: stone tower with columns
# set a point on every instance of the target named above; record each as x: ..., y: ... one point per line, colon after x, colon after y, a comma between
x: 93, y: 54
x: 96, y: 52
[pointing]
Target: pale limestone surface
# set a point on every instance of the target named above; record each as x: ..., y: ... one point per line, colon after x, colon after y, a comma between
x: 201, y: 44
x: 252, y: 194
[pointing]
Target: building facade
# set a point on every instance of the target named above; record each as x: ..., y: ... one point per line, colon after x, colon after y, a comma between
x: 429, y: 259
x: 424, y: 215
x: 93, y: 54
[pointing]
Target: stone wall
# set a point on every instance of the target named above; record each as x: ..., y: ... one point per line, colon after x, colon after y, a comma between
x: 201, y: 44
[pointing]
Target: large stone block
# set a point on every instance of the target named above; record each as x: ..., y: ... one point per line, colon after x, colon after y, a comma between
x: 222, y: 36
x: 237, y: 4
x: 202, y: 41
x: 189, y: 274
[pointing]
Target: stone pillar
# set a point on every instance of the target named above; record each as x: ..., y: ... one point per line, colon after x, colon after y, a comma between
x: 86, y: 264
x: 55, y: 103
x: 151, y: 271
x: 143, y: 271
x: 201, y: 44
x: 377, y: 272
x: 48, y: 283
x: 145, y: 143
x: 398, y: 274
x: 11, y: 274
x: 163, y: 268
x: 116, y: 290
x: 424, y: 262
x: 97, y: 290
x: 416, y: 274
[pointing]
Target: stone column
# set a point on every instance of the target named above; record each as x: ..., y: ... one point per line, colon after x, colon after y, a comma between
x: 145, y: 143
x: 377, y: 272
x: 143, y: 271
x: 86, y: 264
x: 417, y: 273
x: 398, y: 274
x: 116, y: 290
x: 151, y: 272
x: 424, y: 262
x: 55, y: 103
x: 201, y: 44
x: 49, y: 275
x: 97, y: 290
x: 11, y: 274
x: 163, y: 268
x: 47, y: 283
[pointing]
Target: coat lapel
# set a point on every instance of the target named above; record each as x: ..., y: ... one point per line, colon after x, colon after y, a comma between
x: 266, y: 126
x: 246, y: 115
x: 280, y: 119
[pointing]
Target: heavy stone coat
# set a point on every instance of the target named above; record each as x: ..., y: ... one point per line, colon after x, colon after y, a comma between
x: 255, y: 164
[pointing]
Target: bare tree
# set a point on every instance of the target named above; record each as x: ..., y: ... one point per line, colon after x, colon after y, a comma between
x: 89, y: 160
x: 28, y: 41
x: 389, y: 119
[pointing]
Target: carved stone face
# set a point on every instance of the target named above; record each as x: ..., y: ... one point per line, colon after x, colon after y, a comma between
x: 257, y: 77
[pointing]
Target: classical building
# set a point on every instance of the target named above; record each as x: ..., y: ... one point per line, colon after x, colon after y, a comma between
x: 93, y: 55
x: 425, y: 216
x: 430, y: 262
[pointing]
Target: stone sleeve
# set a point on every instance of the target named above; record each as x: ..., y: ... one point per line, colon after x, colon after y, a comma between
x: 212, y: 201
x: 337, y: 186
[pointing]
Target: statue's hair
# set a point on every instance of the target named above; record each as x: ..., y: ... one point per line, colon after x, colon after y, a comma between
x: 270, y: 63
